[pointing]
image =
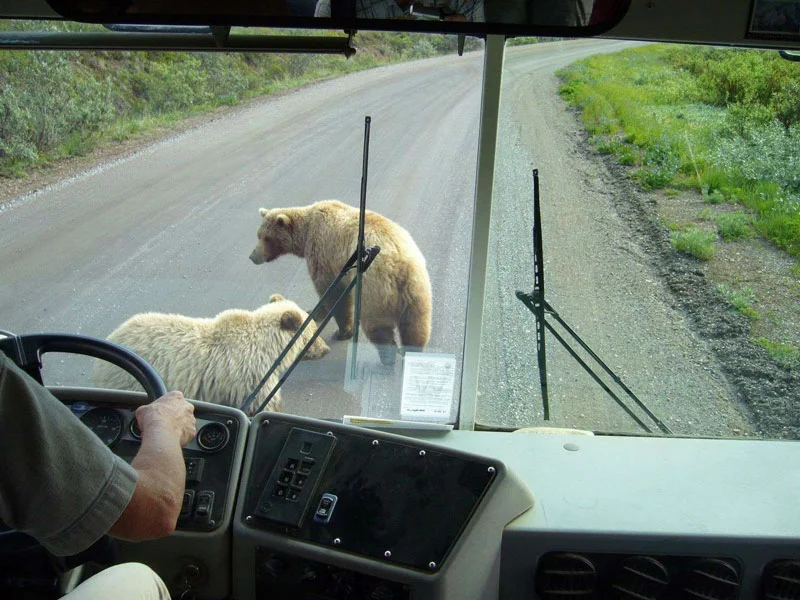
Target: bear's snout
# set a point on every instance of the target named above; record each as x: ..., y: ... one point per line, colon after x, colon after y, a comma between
x: 256, y: 257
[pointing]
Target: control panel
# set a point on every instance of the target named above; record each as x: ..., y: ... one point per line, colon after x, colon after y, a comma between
x: 208, y: 457
x: 385, y: 498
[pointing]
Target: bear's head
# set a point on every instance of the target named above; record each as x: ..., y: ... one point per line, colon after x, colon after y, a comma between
x: 275, y: 236
x: 292, y: 317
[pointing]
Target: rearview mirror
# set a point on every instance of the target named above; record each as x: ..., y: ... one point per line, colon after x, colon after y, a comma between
x: 478, y: 17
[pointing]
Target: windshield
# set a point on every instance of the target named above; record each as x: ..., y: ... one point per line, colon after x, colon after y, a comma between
x: 192, y: 186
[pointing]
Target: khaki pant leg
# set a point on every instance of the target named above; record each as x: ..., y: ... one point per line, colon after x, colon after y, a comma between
x: 128, y: 581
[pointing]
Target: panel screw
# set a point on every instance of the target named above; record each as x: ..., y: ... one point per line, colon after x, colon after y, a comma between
x: 229, y: 422
x: 212, y: 522
x: 431, y: 565
x: 422, y: 452
x: 248, y: 519
x: 336, y: 541
x: 387, y: 554
x: 264, y: 423
x: 491, y: 470
x: 330, y: 433
x: 375, y: 442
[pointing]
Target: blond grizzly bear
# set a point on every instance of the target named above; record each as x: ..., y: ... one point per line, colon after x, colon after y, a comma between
x: 396, y: 290
x: 220, y: 359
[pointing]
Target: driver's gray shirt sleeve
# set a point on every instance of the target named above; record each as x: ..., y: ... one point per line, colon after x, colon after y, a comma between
x: 58, y: 482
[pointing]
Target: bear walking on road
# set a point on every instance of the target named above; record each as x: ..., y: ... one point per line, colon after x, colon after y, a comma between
x: 219, y: 359
x: 396, y: 291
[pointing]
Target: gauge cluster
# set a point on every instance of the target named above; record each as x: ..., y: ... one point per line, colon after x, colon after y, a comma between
x: 209, y: 456
x: 113, y: 424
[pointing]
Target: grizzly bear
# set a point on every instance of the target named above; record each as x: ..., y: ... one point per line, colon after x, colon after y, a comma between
x: 396, y: 290
x: 219, y: 359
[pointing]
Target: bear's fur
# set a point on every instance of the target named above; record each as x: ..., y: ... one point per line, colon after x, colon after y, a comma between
x: 219, y: 359
x: 396, y: 288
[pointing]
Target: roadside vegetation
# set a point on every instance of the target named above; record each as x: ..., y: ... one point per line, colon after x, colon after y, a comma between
x: 61, y: 104
x: 715, y: 132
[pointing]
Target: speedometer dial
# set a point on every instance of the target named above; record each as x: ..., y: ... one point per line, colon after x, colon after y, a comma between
x: 106, y: 423
x: 212, y: 437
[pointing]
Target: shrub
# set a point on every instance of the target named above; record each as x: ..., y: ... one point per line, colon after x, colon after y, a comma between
x: 695, y: 242
x: 734, y: 226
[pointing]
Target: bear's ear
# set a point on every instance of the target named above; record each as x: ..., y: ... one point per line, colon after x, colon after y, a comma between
x: 283, y: 221
x: 263, y: 212
x: 291, y: 320
x: 276, y: 298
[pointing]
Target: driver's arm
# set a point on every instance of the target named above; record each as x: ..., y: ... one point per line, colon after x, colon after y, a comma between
x: 166, y: 425
x: 60, y: 484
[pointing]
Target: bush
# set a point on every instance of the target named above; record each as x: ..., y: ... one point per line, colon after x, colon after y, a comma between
x: 57, y: 103
x: 734, y: 226
x: 695, y: 242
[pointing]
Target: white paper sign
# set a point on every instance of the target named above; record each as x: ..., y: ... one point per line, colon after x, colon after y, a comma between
x: 428, y: 381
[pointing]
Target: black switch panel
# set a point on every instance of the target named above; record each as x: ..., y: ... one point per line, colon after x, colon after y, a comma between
x: 294, y: 478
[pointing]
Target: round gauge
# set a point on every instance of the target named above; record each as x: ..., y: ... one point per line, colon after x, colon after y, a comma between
x: 106, y: 423
x: 212, y: 437
x: 134, y: 429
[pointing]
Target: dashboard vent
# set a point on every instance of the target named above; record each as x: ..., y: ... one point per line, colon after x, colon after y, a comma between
x: 565, y: 575
x: 640, y: 578
x: 782, y: 580
x: 711, y: 579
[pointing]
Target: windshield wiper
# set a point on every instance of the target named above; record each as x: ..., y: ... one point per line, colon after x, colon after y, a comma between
x: 540, y: 308
x: 360, y: 261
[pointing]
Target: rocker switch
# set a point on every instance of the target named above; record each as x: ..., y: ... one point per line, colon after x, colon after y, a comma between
x: 205, y: 502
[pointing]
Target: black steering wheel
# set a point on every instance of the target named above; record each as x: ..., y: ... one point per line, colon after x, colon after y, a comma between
x: 27, y: 351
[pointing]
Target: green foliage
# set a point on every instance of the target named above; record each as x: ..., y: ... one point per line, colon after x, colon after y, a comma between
x: 786, y: 354
x: 695, y: 242
x: 741, y: 299
x: 56, y: 104
x: 734, y: 226
x: 724, y: 121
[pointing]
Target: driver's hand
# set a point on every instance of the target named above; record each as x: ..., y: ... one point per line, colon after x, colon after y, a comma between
x: 171, y: 411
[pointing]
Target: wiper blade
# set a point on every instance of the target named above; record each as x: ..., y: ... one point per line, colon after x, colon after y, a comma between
x: 369, y: 255
x: 540, y: 308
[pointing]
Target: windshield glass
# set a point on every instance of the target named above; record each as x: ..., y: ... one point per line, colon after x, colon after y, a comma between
x: 189, y: 186
x: 670, y: 207
x: 169, y: 204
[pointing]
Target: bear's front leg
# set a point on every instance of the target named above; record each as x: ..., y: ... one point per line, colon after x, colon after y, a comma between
x: 344, y: 317
x: 344, y: 310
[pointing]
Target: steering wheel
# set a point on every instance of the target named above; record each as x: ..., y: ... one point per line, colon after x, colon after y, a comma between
x: 27, y: 351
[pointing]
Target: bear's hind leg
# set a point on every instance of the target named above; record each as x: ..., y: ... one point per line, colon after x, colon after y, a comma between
x: 383, y: 338
x: 415, y: 329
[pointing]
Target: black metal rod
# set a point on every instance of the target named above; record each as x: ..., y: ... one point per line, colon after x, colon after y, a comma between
x: 538, y: 296
x: 360, y: 248
x: 596, y: 378
x: 661, y: 425
x: 298, y: 333
x: 302, y: 353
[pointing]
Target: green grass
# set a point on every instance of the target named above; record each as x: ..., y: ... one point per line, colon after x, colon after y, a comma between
x: 695, y: 242
x: 783, y: 353
x: 741, y: 299
x: 723, y: 122
x: 734, y: 226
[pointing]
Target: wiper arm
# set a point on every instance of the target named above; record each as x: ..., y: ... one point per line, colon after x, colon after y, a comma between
x: 369, y: 255
x: 540, y: 308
